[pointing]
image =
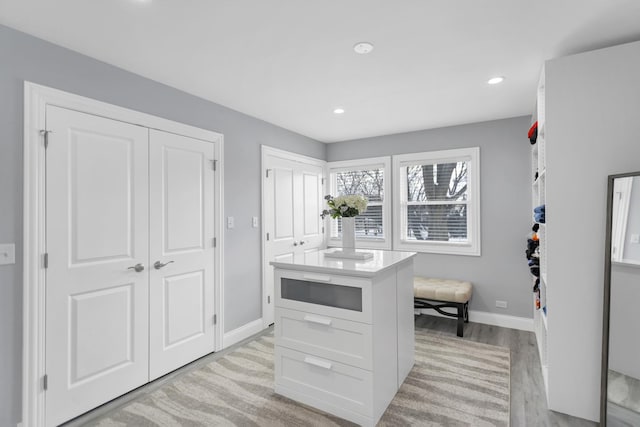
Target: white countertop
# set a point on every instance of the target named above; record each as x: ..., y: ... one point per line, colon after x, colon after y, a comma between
x: 317, y: 262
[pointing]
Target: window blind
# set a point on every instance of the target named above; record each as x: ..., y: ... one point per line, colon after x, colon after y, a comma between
x: 369, y: 183
x: 436, y: 208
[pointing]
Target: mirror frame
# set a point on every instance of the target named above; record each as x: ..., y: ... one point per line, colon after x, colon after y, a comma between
x: 607, y: 295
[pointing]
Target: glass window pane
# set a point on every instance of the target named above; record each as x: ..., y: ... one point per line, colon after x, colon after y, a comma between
x: 437, y: 182
x: 446, y: 223
x: 347, y: 297
x: 367, y: 182
x: 368, y: 224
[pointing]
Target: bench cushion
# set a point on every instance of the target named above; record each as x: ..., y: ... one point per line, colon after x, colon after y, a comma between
x: 441, y: 289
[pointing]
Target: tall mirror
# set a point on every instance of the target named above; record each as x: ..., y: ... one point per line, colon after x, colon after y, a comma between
x: 620, y: 398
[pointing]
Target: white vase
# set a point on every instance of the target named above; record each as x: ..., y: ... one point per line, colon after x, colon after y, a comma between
x: 349, y: 234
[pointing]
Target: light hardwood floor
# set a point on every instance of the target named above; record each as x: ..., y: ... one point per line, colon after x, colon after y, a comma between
x: 528, y: 401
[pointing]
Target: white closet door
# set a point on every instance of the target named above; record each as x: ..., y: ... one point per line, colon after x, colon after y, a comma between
x: 312, y: 202
x: 293, y: 203
x: 97, y: 230
x: 181, y: 248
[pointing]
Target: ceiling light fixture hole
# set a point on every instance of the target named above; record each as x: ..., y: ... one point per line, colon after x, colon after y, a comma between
x: 363, y: 48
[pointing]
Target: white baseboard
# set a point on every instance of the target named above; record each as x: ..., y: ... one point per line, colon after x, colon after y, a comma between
x: 244, y: 331
x: 495, y: 319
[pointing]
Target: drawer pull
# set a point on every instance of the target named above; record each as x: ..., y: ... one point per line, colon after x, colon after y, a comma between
x: 317, y: 362
x: 319, y: 320
x: 317, y: 277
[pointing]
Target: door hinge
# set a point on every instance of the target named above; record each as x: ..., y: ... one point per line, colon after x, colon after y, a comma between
x: 322, y: 230
x: 267, y: 236
x: 45, y: 260
x: 268, y: 173
x: 268, y: 299
x: 322, y: 181
x: 45, y: 382
x: 215, y: 242
x: 215, y: 319
x: 214, y: 164
x: 46, y: 133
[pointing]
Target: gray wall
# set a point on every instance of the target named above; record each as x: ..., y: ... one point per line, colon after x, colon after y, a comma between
x: 592, y: 128
x: 624, y: 337
x: 23, y: 57
x: 501, y: 272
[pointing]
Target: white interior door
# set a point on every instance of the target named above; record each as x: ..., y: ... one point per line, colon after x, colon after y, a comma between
x: 97, y: 231
x: 181, y: 251
x: 293, y: 194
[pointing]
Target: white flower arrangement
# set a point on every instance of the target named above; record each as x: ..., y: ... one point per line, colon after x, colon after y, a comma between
x: 345, y: 206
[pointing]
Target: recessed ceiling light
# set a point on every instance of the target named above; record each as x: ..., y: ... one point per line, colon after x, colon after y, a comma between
x: 363, y: 48
x: 338, y: 111
x: 495, y: 80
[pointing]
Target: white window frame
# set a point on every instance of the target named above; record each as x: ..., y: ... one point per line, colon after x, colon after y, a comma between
x: 383, y: 163
x: 400, y: 241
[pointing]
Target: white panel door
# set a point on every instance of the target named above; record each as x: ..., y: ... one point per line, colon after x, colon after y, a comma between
x: 181, y: 251
x: 293, y: 203
x: 97, y: 231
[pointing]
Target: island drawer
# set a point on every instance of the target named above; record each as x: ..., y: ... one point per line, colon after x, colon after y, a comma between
x: 324, y: 294
x: 333, y: 383
x: 333, y: 338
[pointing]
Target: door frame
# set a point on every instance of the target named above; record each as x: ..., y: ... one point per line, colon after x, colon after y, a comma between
x: 276, y: 152
x: 36, y: 99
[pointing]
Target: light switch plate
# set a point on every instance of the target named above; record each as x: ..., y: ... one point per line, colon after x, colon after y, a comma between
x: 230, y: 222
x: 635, y: 238
x: 501, y: 304
x: 254, y: 222
x: 7, y: 253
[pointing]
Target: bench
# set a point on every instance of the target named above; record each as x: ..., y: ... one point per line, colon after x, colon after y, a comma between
x: 443, y: 293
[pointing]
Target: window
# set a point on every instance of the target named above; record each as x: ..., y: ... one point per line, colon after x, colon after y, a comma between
x: 437, y: 207
x: 368, y: 177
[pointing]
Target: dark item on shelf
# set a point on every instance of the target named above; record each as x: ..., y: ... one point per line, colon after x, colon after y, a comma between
x: 532, y: 245
x: 533, y: 133
x: 539, y: 214
x: 535, y: 270
x: 535, y: 178
x: 536, y: 286
x: 538, y: 299
x: 535, y: 227
x: 533, y: 261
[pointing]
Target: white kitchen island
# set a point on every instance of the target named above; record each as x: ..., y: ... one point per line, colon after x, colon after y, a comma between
x: 344, y: 331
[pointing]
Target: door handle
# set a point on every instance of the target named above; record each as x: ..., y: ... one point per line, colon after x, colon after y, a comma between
x: 158, y: 265
x: 302, y: 242
x: 295, y: 243
x: 138, y: 268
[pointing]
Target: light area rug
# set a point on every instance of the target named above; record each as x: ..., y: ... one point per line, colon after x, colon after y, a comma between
x: 454, y: 382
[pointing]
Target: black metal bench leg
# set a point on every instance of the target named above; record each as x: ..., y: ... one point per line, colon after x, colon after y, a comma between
x: 460, y: 318
x: 466, y: 312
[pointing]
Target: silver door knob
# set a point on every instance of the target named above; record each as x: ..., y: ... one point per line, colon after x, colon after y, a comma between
x: 302, y: 242
x: 158, y: 265
x: 138, y: 268
x: 295, y: 243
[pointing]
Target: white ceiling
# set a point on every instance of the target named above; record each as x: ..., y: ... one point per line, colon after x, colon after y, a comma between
x: 290, y: 62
